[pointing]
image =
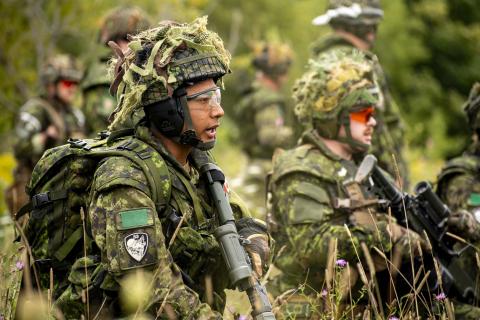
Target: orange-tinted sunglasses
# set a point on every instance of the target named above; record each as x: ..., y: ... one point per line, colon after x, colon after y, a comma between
x: 362, y: 116
x: 68, y: 83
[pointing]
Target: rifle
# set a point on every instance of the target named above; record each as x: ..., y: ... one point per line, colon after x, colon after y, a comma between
x: 426, y: 213
x: 233, y: 252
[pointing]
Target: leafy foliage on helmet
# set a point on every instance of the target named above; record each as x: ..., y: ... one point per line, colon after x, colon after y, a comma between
x: 273, y: 58
x: 472, y: 107
x: 164, y: 58
x: 351, y: 12
x: 121, y: 22
x: 60, y: 67
x: 335, y: 84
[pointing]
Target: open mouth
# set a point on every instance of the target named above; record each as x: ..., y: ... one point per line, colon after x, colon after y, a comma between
x: 212, y: 131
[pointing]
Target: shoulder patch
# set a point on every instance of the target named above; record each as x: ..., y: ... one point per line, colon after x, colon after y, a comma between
x: 136, y: 245
x: 134, y: 218
x: 474, y: 199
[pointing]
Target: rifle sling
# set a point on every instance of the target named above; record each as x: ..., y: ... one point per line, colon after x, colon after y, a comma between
x: 72, y: 240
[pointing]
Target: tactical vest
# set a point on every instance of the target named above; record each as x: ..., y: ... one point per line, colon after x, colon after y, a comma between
x: 318, y: 166
x: 338, y: 200
x: 59, y: 192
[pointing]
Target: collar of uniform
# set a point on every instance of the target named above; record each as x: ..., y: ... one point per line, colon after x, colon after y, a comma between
x: 60, y: 106
x: 144, y: 134
x: 348, y: 166
x: 328, y: 42
x: 313, y: 138
x: 334, y: 40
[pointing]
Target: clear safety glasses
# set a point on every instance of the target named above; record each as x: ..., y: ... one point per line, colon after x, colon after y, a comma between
x: 211, y: 96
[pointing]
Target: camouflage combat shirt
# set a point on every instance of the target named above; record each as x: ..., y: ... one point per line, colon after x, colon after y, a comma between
x: 34, y: 118
x: 388, y: 138
x: 98, y: 104
x: 132, y: 234
x: 458, y: 185
x: 306, y: 184
x: 261, y: 115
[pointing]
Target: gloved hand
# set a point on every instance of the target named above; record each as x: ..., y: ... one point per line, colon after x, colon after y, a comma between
x: 258, y: 247
x: 463, y: 224
x: 406, y: 241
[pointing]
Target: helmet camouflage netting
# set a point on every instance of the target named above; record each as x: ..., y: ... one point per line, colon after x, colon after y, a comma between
x: 122, y: 21
x: 162, y: 59
x: 273, y: 58
x: 335, y: 82
x: 58, y: 67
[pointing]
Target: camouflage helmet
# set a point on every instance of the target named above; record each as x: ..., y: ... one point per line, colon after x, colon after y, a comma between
x: 472, y: 107
x: 351, y: 12
x: 121, y: 22
x: 273, y: 58
x: 60, y: 67
x: 163, y: 60
x: 334, y: 85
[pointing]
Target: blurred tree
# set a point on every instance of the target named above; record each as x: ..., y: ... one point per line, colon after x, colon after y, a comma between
x: 34, y: 29
x: 431, y: 50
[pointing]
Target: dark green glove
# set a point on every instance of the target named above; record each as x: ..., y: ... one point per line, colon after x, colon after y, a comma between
x: 258, y: 244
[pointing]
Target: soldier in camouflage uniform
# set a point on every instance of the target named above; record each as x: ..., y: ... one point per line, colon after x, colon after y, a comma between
x: 459, y: 187
x: 45, y: 122
x: 98, y: 104
x: 322, y: 215
x: 170, y: 73
x: 354, y: 24
x: 261, y: 115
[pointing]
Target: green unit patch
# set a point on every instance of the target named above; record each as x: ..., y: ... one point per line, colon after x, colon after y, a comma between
x: 134, y: 218
x: 474, y: 199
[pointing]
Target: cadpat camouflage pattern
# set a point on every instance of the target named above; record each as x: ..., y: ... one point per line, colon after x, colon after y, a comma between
x: 98, y: 104
x: 317, y: 218
x: 458, y: 185
x: 262, y: 114
x: 364, y: 17
x: 172, y: 239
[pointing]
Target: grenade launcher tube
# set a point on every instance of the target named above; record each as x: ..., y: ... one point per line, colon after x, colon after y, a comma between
x: 233, y: 252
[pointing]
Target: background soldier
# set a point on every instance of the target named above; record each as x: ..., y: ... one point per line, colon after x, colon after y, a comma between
x: 315, y: 197
x: 171, y: 74
x: 459, y: 187
x: 98, y: 104
x: 45, y: 122
x: 354, y: 24
x: 262, y: 117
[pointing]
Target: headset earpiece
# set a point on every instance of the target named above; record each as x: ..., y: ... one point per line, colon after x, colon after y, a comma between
x: 168, y: 115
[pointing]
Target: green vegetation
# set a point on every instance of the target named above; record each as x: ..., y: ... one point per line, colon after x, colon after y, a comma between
x: 430, y: 50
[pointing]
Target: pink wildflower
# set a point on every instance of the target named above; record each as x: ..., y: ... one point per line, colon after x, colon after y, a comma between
x: 441, y: 296
x: 19, y: 265
x: 341, y: 263
x: 323, y: 293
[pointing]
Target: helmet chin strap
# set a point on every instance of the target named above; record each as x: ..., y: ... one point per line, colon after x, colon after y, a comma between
x: 189, y: 136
